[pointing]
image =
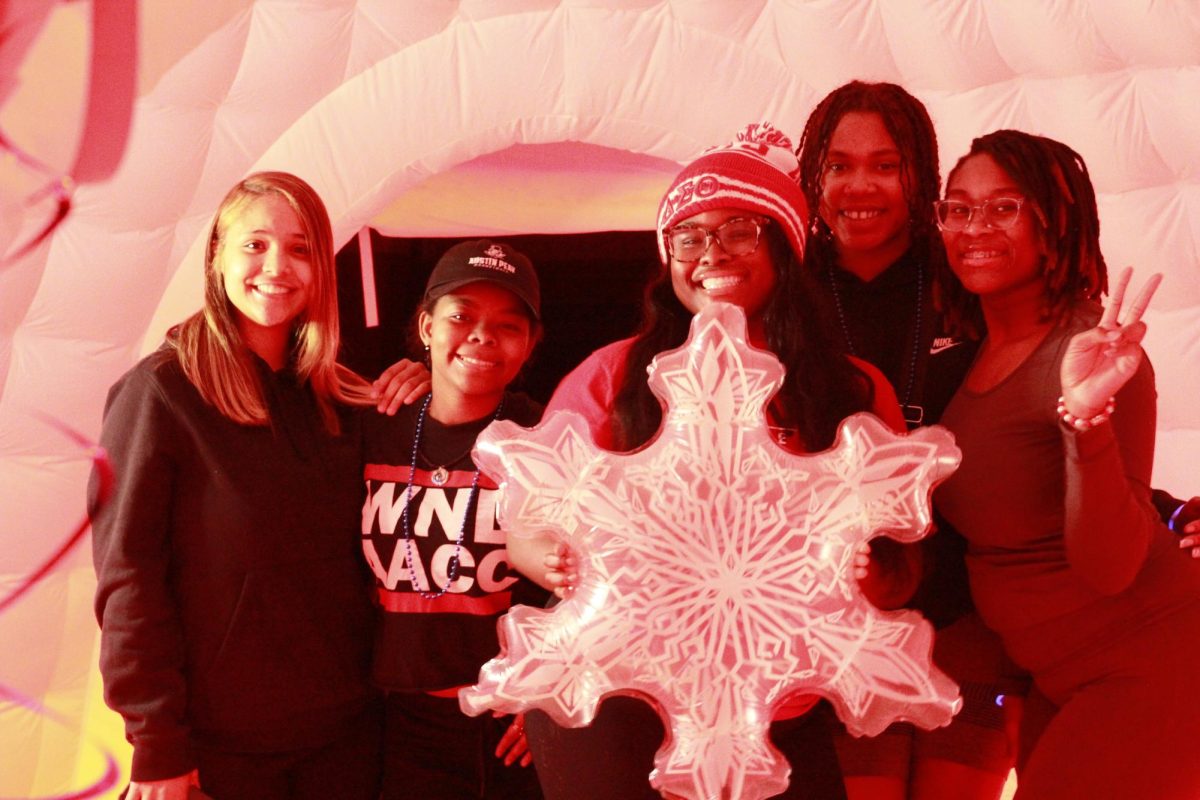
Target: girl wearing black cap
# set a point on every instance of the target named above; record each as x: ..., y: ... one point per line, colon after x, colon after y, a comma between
x: 430, y: 535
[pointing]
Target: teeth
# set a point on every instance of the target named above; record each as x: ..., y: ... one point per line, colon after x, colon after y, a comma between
x: 476, y: 362
x: 272, y: 289
x: 861, y: 214
x: 981, y: 254
x: 719, y: 282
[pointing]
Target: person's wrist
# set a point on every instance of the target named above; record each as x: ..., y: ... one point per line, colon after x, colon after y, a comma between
x: 1084, y: 421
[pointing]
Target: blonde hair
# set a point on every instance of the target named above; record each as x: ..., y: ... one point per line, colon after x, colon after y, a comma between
x: 209, y: 345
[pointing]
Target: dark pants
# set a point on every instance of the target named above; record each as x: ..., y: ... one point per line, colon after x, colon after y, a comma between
x: 433, y: 751
x: 347, y: 768
x: 612, y: 758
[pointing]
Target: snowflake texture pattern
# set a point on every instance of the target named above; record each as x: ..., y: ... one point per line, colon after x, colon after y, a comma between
x: 715, y: 569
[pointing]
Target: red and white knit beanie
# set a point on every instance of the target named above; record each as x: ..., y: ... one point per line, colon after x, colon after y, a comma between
x: 757, y: 173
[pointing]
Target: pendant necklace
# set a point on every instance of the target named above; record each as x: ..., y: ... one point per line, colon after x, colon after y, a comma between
x: 439, y: 477
x: 913, y: 414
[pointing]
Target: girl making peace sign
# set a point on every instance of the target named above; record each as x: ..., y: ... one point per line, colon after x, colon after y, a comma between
x: 1067, y: 560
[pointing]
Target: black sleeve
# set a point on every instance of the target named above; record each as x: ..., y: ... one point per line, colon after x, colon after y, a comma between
x: 141, y: 638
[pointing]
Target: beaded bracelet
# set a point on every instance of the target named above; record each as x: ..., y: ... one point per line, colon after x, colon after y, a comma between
x: 1079, y: 423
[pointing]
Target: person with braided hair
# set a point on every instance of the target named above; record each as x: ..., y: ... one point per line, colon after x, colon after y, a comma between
x: 869, y: 170
x: 1068, y: 561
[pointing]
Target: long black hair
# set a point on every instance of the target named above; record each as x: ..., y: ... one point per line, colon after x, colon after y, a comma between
x: 821, y: 386
x: 908, y: 123
x: 1055, y: 180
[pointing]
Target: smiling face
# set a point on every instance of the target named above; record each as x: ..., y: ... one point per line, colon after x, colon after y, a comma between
x: 745, y: 280
x: 994, y: 263
x: 862, y: 193
x: 266, y: 269
x: 479, y: 336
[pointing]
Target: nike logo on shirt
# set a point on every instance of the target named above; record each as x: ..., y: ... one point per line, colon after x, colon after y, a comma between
x: 943, y: 343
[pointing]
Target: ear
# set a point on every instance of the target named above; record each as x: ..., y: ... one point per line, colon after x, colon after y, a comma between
x: 425, y: 327
x: 536, y: 333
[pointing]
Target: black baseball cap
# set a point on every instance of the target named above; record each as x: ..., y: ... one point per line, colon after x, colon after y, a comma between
x: 485, y: 260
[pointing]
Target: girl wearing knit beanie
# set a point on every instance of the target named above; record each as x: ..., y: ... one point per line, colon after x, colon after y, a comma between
x: 731, y: 229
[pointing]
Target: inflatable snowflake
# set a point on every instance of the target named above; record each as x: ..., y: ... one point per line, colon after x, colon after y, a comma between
x: 716, y: 569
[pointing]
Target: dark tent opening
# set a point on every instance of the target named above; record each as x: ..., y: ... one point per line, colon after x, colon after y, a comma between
x: 591, y: 291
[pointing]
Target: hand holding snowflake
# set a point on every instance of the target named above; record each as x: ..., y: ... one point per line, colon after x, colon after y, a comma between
x: 715, y: 569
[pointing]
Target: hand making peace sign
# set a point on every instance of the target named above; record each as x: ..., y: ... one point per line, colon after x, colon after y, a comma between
x: 1098, y: 362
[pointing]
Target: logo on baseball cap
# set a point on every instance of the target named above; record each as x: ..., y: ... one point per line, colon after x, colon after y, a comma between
x: 485, y: 260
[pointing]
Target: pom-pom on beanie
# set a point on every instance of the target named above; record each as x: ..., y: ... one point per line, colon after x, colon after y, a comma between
x: 758, y: 173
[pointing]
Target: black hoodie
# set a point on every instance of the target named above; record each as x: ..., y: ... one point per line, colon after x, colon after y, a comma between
x: 231, y: 595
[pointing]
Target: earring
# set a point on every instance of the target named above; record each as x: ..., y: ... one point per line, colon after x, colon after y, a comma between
x: 426, y: 359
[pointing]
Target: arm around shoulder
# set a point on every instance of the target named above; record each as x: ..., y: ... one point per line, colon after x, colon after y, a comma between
x: 590, y: 390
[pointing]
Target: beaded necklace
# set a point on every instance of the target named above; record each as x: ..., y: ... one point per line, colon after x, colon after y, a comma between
x: 913, y: 414
x: 406, y: 528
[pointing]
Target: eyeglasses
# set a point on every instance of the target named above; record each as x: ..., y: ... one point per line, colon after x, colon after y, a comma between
x: 1000, y: 213
x: 737, y: 237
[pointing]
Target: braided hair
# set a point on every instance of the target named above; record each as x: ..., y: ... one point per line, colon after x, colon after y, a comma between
x: 1055, y: 180
x: 907, y: 122
x: 820, y: 388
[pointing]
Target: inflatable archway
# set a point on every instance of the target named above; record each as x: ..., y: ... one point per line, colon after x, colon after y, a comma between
x: 471, y: 117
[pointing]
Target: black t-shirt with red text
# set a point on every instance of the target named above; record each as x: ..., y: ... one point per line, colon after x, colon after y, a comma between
x: 428, y: 643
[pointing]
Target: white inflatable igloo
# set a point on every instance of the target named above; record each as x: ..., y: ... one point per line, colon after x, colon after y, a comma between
x: 420, y: 118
